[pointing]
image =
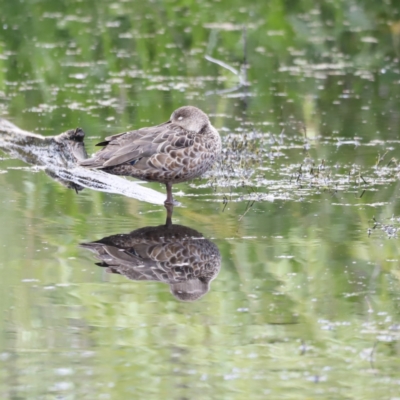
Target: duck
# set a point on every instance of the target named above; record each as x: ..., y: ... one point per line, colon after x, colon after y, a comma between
x: 183, y: 148
x: 174, y: 254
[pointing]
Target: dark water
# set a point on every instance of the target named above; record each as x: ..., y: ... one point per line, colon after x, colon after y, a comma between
x: 304, y: 207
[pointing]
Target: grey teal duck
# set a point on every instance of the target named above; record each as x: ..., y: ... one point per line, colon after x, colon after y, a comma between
x: 178, y: 150
x: 173, y: 254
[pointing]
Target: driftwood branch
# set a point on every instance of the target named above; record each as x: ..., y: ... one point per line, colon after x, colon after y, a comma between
x: 58, y: 156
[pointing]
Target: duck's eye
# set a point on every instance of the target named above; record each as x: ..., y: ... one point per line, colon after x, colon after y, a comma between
x: 180, y: 118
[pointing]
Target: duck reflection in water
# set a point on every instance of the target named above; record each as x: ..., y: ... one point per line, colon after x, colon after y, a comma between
x: 173, y: 254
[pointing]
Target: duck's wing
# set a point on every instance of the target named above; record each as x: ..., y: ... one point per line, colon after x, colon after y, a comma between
x: 132, y: 146
x: 133, y: 262
x: 119, y: 257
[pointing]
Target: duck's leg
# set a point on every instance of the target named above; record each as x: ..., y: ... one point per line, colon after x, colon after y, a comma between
x: 170, y: 199
x: 170, y: 209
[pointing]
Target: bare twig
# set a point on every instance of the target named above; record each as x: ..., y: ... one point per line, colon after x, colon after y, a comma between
x: 241, y: 73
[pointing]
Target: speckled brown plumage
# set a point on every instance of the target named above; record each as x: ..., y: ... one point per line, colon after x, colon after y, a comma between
x: 178, y: 150
x: 174, y: 254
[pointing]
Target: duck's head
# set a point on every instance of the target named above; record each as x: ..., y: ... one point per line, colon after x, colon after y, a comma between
x: 190, y: 290
x: 190, y: 118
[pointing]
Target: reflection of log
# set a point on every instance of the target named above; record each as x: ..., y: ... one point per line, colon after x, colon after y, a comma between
x: 173, y: 254
x: 58, y: 156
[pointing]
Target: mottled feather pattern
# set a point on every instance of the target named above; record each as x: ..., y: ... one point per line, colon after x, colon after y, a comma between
x: 167, y: 153
x: 175, y: 254
x: 173, y: 262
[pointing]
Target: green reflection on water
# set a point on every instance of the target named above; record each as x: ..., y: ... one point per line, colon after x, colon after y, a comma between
x: 306, y: 303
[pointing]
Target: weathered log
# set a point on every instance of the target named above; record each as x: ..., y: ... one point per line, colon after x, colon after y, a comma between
x: 58, y: 156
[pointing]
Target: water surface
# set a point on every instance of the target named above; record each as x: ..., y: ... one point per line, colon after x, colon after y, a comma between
x: 303, y: 208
